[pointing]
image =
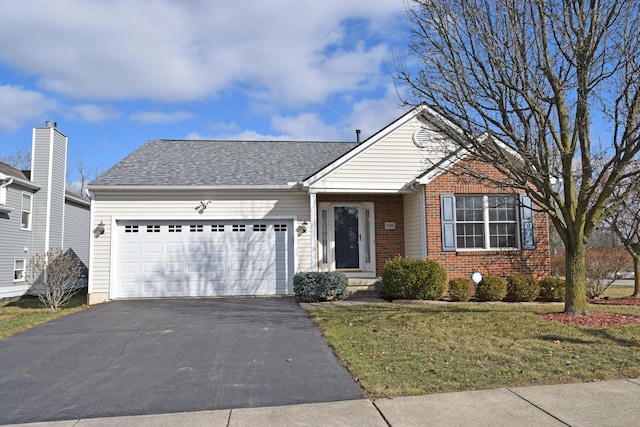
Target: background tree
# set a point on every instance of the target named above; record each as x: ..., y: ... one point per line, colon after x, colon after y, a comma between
x: 19, y: 159
x: 533, y: 77
x: 625, y: 223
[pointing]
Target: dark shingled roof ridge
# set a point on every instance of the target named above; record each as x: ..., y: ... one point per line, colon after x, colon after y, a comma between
x: 165, y: 162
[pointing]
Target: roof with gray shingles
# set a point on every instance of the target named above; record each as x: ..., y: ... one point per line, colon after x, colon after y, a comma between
x: 11, y: 171
x: 207, y: 162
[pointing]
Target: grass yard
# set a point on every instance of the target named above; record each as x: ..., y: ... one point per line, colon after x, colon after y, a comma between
x: 27, y: 312
x: 618, y: 291
x: 400, y: 350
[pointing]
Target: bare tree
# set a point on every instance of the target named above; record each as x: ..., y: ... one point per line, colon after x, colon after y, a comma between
x: 625, y: 223
x: 19, y: 159
x: 55, y: 277
x: 533, y: 76
x: 85, y: 173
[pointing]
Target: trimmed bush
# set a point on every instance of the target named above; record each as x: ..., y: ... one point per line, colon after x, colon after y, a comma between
x: 552, y: 289
x: 461, y: 289
x: 491, y: 288
x: 408, y: 278
x: 522, y: 287
x: 320, y: 286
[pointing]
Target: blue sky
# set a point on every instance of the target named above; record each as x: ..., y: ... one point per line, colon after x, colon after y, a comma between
x: 114, y: 74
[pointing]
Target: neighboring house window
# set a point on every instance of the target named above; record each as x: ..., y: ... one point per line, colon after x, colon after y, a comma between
x: 19, y: 270
x: 486, y: 222
x: 25, y: 222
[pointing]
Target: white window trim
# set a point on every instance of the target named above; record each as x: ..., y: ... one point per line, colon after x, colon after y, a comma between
x: 24, y: 270
x: 22, y: 211
x: 486, y: 223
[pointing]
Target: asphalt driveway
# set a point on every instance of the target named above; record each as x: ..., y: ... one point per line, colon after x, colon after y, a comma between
x: 169, y: 355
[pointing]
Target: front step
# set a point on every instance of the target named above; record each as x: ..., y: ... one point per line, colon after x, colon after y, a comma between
x: 361, y: 288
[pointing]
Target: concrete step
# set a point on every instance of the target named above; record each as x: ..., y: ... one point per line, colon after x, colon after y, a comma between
x: 362, y: 288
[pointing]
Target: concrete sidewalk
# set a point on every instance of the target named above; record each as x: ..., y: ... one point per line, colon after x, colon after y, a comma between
x: 606, y: 403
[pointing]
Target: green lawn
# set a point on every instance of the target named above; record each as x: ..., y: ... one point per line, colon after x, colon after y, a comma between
x: 27, y: 312
x: 399, y: 350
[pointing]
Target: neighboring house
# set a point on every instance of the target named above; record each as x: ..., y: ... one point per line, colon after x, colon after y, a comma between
x: 36, y: 213
x: 209, y: 218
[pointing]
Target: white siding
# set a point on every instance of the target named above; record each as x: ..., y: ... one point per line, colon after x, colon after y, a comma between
x: 389, y: 163
x: 413, y: 225
x: 108, y: 208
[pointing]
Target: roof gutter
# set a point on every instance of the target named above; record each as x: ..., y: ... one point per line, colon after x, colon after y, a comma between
x: 12, y: 179
x: 152, y: 188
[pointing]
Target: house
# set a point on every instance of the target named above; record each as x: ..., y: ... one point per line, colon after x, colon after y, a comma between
x: 208, y: 218
x: 36, y: 213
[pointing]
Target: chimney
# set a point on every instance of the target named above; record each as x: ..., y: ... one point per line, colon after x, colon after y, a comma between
x: 358, y: 136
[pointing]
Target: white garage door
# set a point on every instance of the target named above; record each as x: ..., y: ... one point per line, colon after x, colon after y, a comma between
x: 203, y: 258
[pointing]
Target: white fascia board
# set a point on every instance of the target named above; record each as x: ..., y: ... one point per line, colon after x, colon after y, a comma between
x: 5, y: 209
x: 163, y: 188
x: 364, y: 145
x: 377, y: 190
x: 24, y: 183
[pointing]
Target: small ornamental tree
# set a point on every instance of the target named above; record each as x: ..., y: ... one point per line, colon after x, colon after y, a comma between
x: 55, y: 277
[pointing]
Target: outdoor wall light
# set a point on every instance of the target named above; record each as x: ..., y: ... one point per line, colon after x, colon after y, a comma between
x: 99, y: 229
x: 303, y: 227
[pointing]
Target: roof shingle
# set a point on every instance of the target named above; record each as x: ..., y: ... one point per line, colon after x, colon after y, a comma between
x: 215, y: 162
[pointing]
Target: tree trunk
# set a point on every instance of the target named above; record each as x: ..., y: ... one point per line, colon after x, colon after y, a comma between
x: 576, y: 290
x: 636, y: 277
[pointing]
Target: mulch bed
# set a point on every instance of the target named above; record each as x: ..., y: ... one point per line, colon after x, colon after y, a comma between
x: 597, y: 319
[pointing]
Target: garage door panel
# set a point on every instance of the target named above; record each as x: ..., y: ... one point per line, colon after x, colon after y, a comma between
x: 131, y: 248
x: 153, y: 248
x: 203, y: 259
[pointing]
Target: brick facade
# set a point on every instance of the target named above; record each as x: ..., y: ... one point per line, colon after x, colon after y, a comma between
x: 390, y: 243
x: 387, y: 208
x: 499, y: 262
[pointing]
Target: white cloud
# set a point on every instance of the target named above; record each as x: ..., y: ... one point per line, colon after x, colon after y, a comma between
x: 161, y: 117
x: 306, y: 127
x: 95, y: 113
x: 20, y: 106
x: 287, y: 52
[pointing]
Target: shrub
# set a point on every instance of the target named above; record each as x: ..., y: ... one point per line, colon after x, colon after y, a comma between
x: 413, y: 279
x: 320, y: 286
x: 55, y: 276
x: 603, y: 267
x: 491, y: 288
x: 552, y: 289
x: 522, y: 287
x: 460, y: 289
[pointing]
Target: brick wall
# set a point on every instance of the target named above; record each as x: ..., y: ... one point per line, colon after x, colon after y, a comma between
x: 387, y: 208
x: 463, y: 263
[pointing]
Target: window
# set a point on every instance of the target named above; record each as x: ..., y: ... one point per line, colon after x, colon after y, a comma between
x: 153, y: 228
x: 486, y: 222
x: 130, y: 228
x: 175, y: 228
x: 25, y: 222
x: 259, y: 227
x: 19, y: 270
x: 196, y: 228
x: 238, y: 227
x: 217, y: 228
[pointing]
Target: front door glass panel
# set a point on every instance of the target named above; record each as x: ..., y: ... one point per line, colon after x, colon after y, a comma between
x: 347, y: 249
